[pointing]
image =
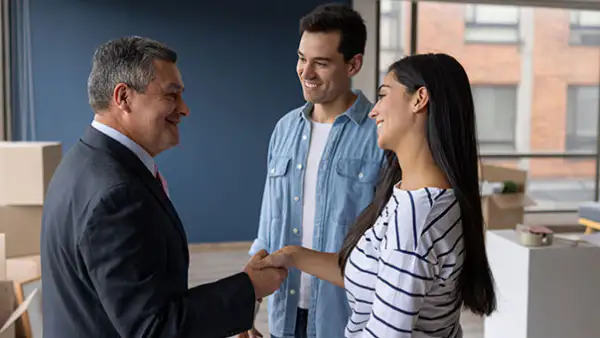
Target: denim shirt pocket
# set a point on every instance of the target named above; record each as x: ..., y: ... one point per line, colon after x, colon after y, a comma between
x: 361, y: 170
x: 355, y: 186
x: 278, y: 182
x: 280, y: 188
x: 279, y: 166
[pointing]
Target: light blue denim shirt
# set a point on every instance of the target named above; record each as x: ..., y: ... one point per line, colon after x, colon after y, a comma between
x: 347, y: 176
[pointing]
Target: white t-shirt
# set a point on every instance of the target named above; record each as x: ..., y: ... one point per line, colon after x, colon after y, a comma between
x: 318, y: 140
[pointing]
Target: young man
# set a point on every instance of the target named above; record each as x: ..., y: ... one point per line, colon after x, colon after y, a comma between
x: 323, y: 165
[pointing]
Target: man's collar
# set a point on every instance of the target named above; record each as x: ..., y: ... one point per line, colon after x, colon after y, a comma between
x: 127, y: 142
x: 357, y: 112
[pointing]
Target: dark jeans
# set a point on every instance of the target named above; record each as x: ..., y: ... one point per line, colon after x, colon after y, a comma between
x: 301, y: 324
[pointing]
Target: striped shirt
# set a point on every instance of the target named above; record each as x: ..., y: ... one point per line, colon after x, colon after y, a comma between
x: 401, y: 278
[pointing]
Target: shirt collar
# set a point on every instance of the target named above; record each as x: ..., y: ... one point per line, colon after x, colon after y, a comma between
x: 357, y: 112
x: 127, y: 142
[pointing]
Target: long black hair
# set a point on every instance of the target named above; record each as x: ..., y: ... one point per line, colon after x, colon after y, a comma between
x: 452, y: 140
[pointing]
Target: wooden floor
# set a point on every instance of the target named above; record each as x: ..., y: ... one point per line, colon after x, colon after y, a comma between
x: 212, y: 265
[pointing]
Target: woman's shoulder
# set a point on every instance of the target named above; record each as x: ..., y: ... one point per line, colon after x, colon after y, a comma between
x: 424, y: 201
x: 421, y: 216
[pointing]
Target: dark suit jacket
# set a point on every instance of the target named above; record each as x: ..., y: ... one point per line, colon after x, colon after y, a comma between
x: 115, y: 256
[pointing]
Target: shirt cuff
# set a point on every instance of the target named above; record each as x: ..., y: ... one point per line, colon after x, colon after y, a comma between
x: 257, y: 245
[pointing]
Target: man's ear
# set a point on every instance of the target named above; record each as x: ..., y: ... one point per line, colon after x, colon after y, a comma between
x: 355, y: 64
x: 121, y: 97
x: 421, y: 100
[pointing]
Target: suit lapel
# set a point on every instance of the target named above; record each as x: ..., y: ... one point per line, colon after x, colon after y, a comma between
x: 158, y: 192
x: 137, y: 168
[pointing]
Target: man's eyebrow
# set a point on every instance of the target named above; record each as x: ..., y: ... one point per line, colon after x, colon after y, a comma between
x: 321, y: 58
x: 174, y: 87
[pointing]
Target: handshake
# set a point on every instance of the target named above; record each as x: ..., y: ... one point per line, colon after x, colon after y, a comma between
x: 267, y: 272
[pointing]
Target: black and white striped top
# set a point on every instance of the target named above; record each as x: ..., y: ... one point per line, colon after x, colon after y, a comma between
x: 401, y: 279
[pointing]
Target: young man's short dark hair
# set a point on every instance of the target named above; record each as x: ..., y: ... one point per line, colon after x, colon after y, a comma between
x: 337, y: 17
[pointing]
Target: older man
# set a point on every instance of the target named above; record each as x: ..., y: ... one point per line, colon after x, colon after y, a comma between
x: 114, y: 252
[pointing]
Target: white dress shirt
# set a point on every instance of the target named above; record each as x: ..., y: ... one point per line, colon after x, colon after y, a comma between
x: 127, y: 142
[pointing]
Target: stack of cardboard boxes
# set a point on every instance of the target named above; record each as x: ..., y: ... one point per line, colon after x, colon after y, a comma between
x: 25, y: 171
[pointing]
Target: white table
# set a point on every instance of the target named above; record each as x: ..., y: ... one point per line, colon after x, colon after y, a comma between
x: 543, y: 292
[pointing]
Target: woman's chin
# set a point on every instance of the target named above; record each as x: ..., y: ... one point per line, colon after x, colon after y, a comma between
x: 381, y: 143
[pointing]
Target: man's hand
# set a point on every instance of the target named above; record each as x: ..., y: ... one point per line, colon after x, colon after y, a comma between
x: 266, y: 280
x: 278, y: 259
x: 254, y: 333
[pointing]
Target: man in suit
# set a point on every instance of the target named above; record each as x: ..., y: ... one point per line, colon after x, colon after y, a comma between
x: 114, y: 252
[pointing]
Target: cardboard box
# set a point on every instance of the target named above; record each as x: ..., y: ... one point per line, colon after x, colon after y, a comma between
x: 22, y: 269
x: 25, y: 171
x: 22, y: 226
x: 505, y: 210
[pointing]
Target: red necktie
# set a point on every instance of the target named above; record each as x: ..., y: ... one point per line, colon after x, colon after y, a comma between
x: 162, y: 180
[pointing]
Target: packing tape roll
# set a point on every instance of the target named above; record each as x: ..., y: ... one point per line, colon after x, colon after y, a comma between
x: 532, y: 236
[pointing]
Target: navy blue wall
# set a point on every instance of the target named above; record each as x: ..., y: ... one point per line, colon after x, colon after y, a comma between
x: 238, y: 62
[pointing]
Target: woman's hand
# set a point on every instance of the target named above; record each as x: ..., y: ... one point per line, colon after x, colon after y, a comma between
x: 323, y: 265
x: 278, y: 259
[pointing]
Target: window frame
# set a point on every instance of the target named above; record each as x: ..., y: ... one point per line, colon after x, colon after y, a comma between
x: 577, y: 29
x: 473, y: 24
x: 573, y: 141
x: 509, y: 145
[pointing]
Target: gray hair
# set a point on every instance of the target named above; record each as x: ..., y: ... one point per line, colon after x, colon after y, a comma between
x: 126, y: 60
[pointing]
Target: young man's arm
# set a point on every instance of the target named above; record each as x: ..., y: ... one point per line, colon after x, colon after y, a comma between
x: 262, y: 238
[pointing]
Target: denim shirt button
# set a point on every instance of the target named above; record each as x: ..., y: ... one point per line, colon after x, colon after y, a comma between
x: 292, y: 292
x: 295, y: 230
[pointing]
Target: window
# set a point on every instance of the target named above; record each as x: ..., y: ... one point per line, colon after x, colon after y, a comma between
x: 390, y: 26
x: 394, y: 28
x: 495, y: 110
x: 582, y: 118
x: 585, y: 28
x: 491, y: 24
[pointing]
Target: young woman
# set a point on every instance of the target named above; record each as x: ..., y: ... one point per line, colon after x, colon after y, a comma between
x: 416, y: 255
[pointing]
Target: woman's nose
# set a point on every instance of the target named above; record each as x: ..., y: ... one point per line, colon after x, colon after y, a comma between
x: 373, y: 114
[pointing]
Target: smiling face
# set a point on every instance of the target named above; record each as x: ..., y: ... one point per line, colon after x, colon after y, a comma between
x: 152, y: 118
x: 397, y: 112
x: 321, y: 68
